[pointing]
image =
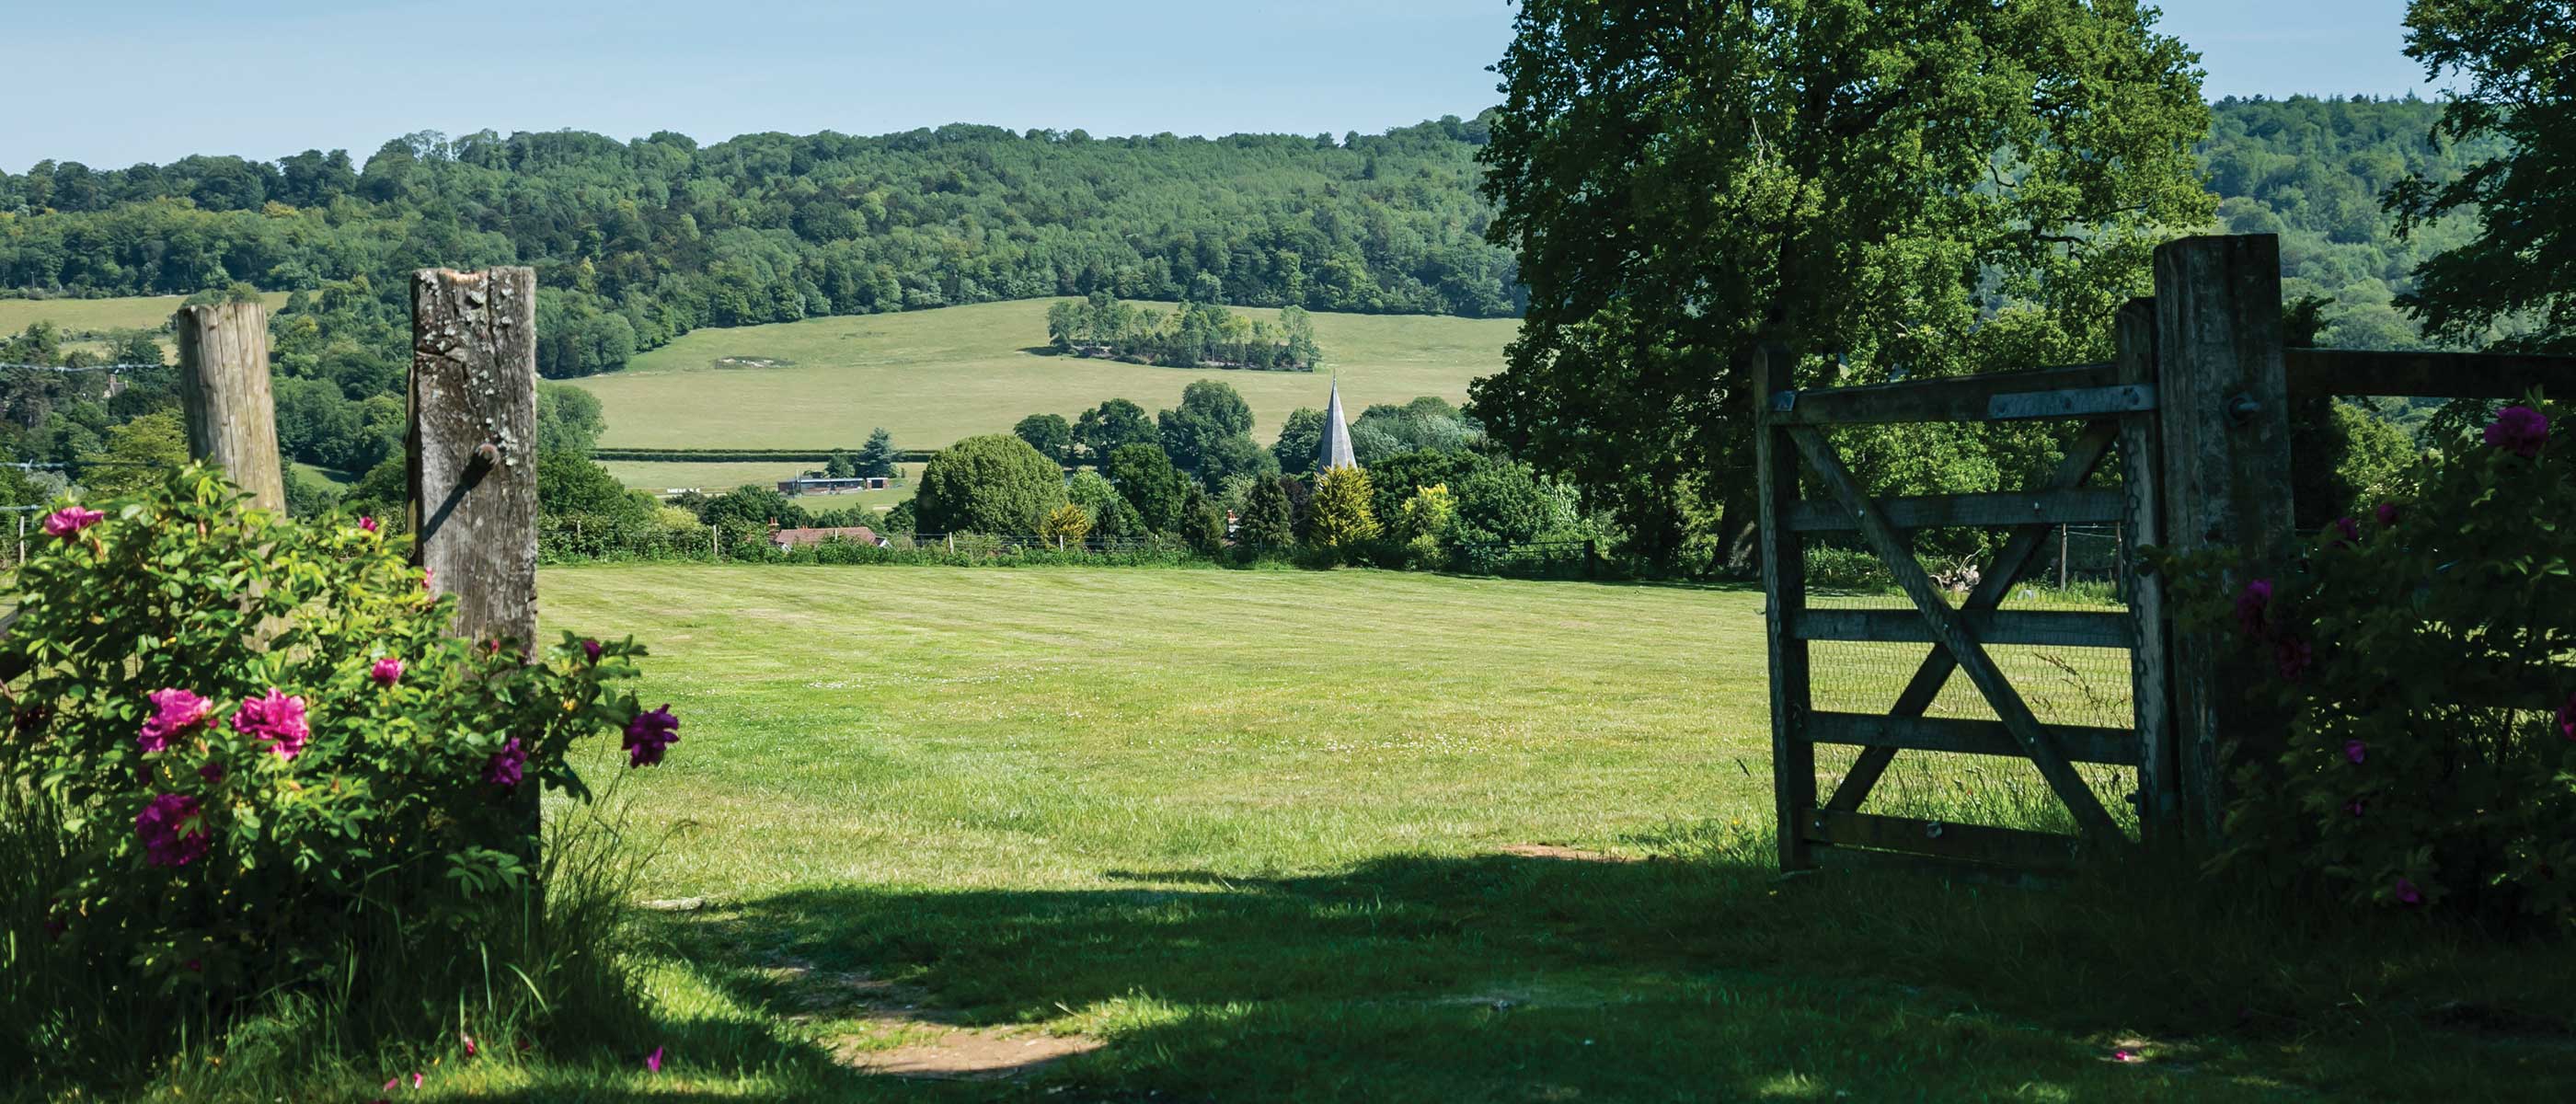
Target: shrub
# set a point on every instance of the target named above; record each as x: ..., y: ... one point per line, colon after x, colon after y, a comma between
x: 1425, y: 524
x: 1267, y: 522
x: 1846, y: 569
x: 247, y: 752
x: 1145, y: 477
x: 2390, y: 649
x: 1342, y: 517
x: 994, y: 483
x: 1068, y: 524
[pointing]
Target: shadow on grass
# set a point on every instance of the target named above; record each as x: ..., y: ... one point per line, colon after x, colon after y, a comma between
x: 1495, y: 977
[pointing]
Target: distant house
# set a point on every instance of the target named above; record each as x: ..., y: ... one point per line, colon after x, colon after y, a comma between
x: 783, y: 539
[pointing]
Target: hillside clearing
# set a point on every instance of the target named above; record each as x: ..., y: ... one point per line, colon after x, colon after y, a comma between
x: 89, y: 316
x: 934, y: 376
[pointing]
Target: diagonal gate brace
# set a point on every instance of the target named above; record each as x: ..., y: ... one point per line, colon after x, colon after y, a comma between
x: 1951, y: 630
x: 2084, y: 455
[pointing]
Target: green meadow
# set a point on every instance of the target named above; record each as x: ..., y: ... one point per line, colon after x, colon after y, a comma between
x: 90, y: 316
x: 1104, y: 834
x: 934, y: 376
x: 658, y: 476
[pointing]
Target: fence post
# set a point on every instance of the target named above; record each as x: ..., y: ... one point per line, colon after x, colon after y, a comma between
x: 1784, y: 589
x: 223, y: 389
x: 473, y: 437
x: 2150, y: 678
x: 2061, y: 555
x: 473, y: 467
x: 2223, y: 396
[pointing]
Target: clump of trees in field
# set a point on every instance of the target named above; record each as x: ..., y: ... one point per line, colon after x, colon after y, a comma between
x: 1193, y: 335
x: 1433, y: 491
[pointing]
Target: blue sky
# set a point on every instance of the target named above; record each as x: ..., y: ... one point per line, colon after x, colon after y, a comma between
x: 150, y: 80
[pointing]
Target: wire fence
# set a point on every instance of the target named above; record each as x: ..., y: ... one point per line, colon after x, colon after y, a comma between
x: 2077, y: 569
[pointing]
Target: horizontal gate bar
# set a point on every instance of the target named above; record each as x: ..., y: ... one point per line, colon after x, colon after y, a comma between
x: 2063, y: 628
x: 2073, y: 402
x: 2427, y: 375
x: 2011, y: 847
x: 1980, y: 510
x: 1948, y: 399
x: 2079, y: 743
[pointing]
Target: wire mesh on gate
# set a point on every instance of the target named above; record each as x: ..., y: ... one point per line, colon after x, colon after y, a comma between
x: 2077, y: 569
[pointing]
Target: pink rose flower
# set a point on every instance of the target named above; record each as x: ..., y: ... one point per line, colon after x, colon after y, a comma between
x: 2293, y: 656
x: 172, y: 829
x: 2347, y: 531
x: 367, y: 523
x: 2253, y: 605
x: 386, y: 671
x: 2519, y: 430
x: 649, y: 734
x: 507, y: 765
x: 173, y: 712
x: 2407, y: 894
x: 2386, y: 513
x: 2355, y: 751
x: 276, y: 720
x: 69, y: 520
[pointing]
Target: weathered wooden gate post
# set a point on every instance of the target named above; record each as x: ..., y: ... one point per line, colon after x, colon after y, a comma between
x: 224, y: 392
x: 473, y: 445
x: 2150, y: 662
x: 473, y: 457
x: 1784, y: 592
x: 2224, y: 400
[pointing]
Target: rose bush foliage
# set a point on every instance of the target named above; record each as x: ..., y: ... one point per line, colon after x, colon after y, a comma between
x: 257, y: 738
x: 2424, y: 655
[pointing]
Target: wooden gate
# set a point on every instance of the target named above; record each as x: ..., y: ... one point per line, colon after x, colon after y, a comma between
x: 2117, y: 403
x: 2197, y: 404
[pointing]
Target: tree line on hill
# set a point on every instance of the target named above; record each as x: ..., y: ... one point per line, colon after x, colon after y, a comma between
x: 1200, y: 333
x: 639, y: 242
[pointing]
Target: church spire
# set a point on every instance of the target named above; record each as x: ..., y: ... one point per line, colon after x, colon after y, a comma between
x: 1335, y: 451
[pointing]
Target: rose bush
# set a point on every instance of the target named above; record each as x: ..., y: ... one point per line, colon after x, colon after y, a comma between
x: 2423, y: 658
x: 255, y: 742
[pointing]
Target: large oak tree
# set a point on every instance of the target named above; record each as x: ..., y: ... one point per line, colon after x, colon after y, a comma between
x: 1916, y: 186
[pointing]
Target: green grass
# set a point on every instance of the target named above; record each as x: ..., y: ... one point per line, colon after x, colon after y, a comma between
x: 135, y: 312
x: 328, y: 477
x: 934, y: 376
x: 1251, y: 832
x: 660, y: 475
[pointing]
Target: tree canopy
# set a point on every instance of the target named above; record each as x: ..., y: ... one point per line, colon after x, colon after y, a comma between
x: 2514, y: 284
x: 993, y: 484
x: 1918, y: 185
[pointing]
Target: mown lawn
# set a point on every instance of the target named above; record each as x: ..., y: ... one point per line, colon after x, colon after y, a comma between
x: 1267, y: 836
x: 933, y: 376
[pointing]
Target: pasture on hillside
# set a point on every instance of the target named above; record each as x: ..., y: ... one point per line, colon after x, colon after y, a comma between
x: 934, y: 376
x: 86, y: 316
x: 717, y: 477
x: 1253, y: 835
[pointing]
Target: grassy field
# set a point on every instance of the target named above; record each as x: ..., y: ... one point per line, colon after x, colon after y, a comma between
x: 1211, y: 835
x: 659, y: 475
x: 934, y: 376
x: 140, y: 312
